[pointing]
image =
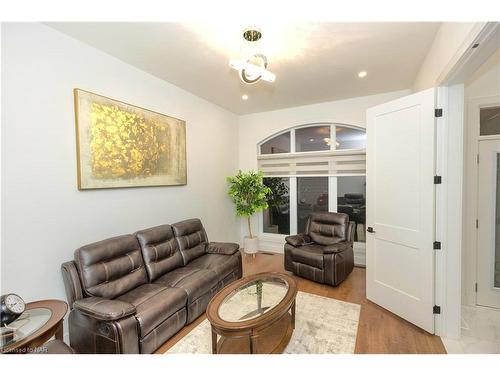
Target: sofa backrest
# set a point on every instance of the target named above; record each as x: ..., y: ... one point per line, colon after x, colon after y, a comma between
x: 160, y: 250
x: 326, y: 228
x: 111, y: 267
x: 191, y: 239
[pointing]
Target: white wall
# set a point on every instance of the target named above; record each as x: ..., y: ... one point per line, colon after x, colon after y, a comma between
x: 485, y: 81
x: 482, y: 87
x: 450, y: 42
x: 254, y: 128
x: 45, y: 218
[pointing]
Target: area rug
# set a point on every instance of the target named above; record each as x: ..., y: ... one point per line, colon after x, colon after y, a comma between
x: 322, y: 326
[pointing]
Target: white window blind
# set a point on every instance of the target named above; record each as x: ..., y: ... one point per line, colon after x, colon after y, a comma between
x: 323, y: 163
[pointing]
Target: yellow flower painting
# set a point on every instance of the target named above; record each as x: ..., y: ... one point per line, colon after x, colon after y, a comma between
x: 120, y: 145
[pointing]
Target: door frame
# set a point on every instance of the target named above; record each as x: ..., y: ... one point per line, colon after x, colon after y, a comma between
x: 448, y: 210
x: 450, y: 165
x: 472, y: 190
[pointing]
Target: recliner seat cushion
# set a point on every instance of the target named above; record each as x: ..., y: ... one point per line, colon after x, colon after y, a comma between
x: 160, y: 250
x: 222, y: 265
x: 111, y: 267
x: 154, y: 304
x: 312, y: 255
x: 196, y: 282
x: 191, y: 239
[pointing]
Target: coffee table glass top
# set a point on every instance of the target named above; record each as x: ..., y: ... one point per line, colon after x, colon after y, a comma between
x: 253, y: 299
x: 30, y: 321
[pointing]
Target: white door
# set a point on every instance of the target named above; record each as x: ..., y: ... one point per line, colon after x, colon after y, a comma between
x: 488, y: 232
x: 400, y: 207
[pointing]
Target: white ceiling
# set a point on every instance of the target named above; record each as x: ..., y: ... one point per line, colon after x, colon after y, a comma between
x: 313, y: 62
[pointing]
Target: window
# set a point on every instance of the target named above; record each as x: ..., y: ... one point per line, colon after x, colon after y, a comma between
x: 276, y: 145
x: 351, y: 200
x: 349, y: 138
x: 276, y: 218
x: 312, y: 196
x: 321, y: 168
x: 489, y: 123
x: 312, y: 138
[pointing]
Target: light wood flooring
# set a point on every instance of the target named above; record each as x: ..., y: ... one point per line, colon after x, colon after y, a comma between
x: 379, y: 330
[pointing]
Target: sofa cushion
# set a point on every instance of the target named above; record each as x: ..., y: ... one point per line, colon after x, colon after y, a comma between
x: 311, y: 255
x: 222, y: 265
x: 196, y: 282
x: 160, y: 250
x: 154, y: 304
x: 191, y: 239
x: 111, y: 267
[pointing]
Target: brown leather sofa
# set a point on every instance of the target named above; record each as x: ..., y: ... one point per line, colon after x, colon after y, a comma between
x: 131, y: 293
x: 324, y: 252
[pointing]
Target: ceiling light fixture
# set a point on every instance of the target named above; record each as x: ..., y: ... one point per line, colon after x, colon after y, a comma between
x: 362, y: 74
x: 252, y: 66
x: 244, y: 96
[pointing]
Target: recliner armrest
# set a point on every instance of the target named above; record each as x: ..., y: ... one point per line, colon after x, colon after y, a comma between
x: 336, y: 248
x: 225, y: 248
x: 297, y: 240
x: 104, y: 309
x: 350, y: 231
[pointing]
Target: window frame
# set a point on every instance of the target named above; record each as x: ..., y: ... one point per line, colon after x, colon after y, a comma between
x: 332, y: 179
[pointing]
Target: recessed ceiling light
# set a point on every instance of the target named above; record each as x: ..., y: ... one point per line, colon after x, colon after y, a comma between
x: 362, y: 74
x: 311, y: 139
x: 244, y: 96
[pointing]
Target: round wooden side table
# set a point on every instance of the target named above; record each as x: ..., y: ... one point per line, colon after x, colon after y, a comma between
x: 40, y: 321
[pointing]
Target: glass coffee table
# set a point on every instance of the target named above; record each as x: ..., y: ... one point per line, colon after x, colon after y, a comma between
x: 253, y: 315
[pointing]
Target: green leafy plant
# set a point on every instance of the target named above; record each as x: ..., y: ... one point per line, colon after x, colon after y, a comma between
x: 277, y: 197
x: 249, y: 194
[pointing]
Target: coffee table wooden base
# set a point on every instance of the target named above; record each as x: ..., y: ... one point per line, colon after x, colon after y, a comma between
x: 271, y: 340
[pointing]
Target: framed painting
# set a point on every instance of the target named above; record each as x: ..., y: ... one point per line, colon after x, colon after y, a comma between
x: 121, y: 145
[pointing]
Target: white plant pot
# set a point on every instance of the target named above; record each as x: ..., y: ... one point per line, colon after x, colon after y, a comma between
x: 251, y: 245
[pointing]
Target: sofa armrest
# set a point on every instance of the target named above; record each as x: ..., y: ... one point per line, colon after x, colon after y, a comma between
x: 336, y: 248
x: 225, y: 248
x: 72, y: 283
x: 104, y: 309
x: 297, y: 240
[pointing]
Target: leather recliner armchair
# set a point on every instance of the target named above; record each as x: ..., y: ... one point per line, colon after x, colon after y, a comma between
x: 324, y: 252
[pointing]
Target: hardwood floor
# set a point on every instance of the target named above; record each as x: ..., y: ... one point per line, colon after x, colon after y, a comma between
x: 379, y: 330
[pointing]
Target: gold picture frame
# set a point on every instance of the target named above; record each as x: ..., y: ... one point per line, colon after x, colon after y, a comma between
x: 121, y: 145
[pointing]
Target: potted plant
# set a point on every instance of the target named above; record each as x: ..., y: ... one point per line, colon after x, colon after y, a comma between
x: 249, y: 194
x: 276, y: 199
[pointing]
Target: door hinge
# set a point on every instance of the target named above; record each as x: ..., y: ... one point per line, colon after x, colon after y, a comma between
x: 477, y: 223
x: 436, y: 245
x: 436, y: 309
x: 438, y: 112
x: 437, y: 180
x: 477, y: 159
x: 475, y: 287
